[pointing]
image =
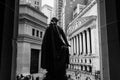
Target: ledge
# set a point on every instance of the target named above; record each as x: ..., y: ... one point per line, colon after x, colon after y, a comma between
x: 29, y: 39
x: 24, y: 16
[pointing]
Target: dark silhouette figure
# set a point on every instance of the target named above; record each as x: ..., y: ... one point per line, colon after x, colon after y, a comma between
x: 55, y: 52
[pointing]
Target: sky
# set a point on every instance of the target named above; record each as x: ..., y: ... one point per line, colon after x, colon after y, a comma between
x: 49, y: 2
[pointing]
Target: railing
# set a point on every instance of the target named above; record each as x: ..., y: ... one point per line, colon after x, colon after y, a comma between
x: 79, y: 71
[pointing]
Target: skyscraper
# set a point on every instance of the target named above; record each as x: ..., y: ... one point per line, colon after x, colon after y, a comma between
x: 58, y: 4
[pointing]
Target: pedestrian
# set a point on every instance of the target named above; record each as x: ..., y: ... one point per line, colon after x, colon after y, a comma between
x: 55, y: 52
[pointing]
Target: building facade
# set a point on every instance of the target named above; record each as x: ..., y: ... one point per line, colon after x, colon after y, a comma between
x: 58, y: 7
x: 81, y: 20
x: 32, y: 24
x: 48, y: 11
x: 34, y: 3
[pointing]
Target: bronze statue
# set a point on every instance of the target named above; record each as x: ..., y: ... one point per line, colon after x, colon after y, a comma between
x: 55, y: 52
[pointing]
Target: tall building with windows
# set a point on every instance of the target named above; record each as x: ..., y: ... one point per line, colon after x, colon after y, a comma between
x: 48, y: 11
x: 32, y: 24
x: 81, y: 21
x: 34, y: 3
x: 58, y: 4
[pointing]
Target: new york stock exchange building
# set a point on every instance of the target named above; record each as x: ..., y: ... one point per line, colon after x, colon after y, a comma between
x: 83, y: 35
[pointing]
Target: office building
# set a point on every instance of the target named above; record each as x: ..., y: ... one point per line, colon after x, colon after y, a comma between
x: 58, y: 4
x: 31, y: 28
x: 34, y: 3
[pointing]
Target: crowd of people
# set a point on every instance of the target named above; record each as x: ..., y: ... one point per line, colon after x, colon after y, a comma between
x: 24, y: 77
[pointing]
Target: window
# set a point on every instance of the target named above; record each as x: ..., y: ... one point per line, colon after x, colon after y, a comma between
x: 85, y: 61
x: 86, y: 2
x: 37, y: 7
x: 41, y: 33
x: 37, y: 3
x: 90, y: 61
x: 90, y: 69
x: 85, y: 68
x: 37, y: 33
x: 81, y: 67
x: 33, y: 32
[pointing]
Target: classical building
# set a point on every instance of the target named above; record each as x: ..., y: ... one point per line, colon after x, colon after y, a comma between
x: 48, y: 11
x: 32, y: 24
x: 83, y: 34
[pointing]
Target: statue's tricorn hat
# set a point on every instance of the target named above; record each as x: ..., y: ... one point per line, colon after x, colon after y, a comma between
x: 54, y: 19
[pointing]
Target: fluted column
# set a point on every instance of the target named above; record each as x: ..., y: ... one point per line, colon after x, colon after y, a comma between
x: 80, y: 43
x: 74, y: 45
x: 84, y: 44
x: 70, y: 48
x: 77, y: 44
x: 93, y: 40
x: 88, y: 42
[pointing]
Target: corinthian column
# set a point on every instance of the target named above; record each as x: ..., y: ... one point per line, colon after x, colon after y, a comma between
x: 84, y: 44
x: 88, y: 41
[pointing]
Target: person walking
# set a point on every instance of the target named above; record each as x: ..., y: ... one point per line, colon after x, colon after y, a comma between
x: 55, y: 52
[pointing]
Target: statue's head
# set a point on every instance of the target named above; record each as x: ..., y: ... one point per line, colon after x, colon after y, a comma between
x: 54, y: 19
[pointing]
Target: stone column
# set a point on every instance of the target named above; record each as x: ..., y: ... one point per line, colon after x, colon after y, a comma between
x: 70, y: 48
x: 93, y: 42
x: 88, y: 42
x: 77, y: 44
x: 80, y: 43
x: 84, y: 44
x: 74, y: 45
